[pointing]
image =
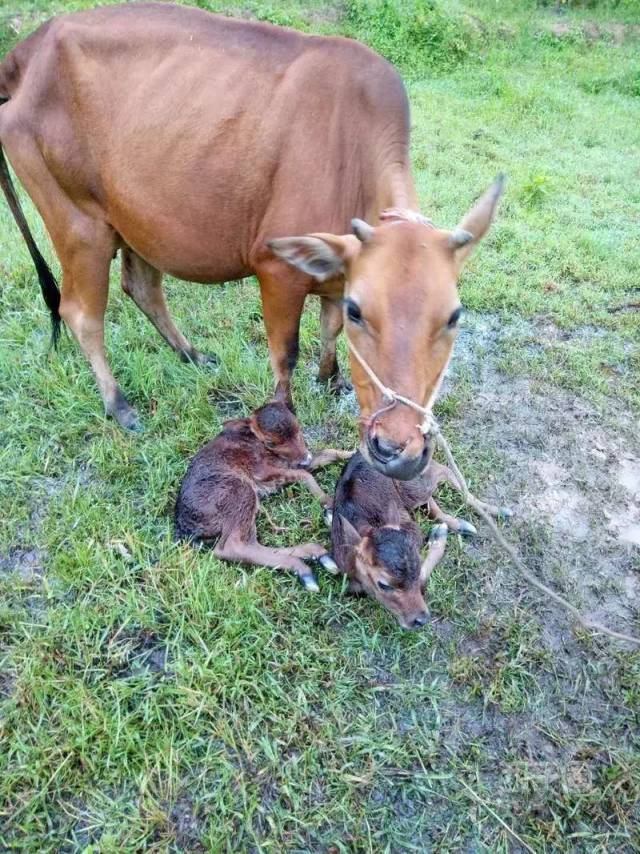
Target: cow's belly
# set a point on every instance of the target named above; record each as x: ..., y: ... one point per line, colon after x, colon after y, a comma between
x: 178, y: 241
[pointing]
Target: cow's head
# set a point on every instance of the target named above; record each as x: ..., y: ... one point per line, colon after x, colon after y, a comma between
x: 401, y: 310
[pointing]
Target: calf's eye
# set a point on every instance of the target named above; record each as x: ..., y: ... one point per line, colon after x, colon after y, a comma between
x: 384, y: 586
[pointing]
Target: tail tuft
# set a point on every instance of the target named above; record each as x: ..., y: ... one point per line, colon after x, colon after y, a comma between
x: 51, y: 295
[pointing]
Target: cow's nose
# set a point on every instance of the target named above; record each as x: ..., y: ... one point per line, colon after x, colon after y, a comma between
x: 420, y: 620
x: 383, y: 449
x: 394, y: 460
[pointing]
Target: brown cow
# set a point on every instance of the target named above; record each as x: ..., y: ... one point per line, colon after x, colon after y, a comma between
x: 189, y: 141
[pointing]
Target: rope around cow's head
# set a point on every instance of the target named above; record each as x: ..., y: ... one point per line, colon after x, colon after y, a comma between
x: 429, y: 427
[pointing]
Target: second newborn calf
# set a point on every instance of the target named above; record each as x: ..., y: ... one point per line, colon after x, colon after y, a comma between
x: 376, y: 542
x: 220, y: 495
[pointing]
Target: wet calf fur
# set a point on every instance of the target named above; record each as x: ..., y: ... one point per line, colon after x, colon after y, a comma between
x: 220, y: 495
x: 377, y: 544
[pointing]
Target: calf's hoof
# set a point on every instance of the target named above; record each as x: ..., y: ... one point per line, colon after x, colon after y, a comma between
x: 310, y: 583
x: 438, y: 532
x: 466, y: 529
x: 327, y: 515
x: 505, y: 513
x: 328, y: 563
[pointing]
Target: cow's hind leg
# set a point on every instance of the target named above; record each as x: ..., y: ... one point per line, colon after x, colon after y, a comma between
x: 85, y: 247
x: 143, y: 283
x: 85, y: 260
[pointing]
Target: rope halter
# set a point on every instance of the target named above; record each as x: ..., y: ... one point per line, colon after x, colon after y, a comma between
x: 428, y: 427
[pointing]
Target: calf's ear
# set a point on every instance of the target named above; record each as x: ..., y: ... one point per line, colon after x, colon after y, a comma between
x: 351, y: 536
x: 473, y: 227
x: 323, y: 256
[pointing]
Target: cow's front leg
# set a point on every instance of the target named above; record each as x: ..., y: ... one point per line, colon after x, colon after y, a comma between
x: 330, y: 327
x: 283, y: 291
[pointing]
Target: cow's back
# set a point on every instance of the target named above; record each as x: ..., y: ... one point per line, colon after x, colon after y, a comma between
x: 200, y: 136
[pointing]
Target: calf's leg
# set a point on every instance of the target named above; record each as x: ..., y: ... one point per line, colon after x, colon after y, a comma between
x: 435, y: 552
x: 252, y: 552
x: 443, y: 474
x: 328, y: 456
x: 458, y: 526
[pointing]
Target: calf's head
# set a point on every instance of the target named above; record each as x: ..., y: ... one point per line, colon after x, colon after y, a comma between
x: 386, y: 563
x: 401, y: 312
x: 277, y: 428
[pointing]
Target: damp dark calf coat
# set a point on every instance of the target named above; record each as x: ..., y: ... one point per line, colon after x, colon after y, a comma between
x: 219, y: 498
x: 376, y: 542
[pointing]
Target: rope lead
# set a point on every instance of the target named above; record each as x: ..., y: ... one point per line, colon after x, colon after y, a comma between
x: 428, y: 427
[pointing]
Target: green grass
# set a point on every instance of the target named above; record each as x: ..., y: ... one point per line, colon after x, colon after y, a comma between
x: 153, y: 698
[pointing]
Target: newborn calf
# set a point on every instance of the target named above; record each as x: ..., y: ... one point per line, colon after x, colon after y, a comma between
x: 220, y: 494
x: 377, y: 544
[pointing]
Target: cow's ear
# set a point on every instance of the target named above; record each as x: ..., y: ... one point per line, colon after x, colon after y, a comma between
x: 323, y: 256
x: 476, y: 223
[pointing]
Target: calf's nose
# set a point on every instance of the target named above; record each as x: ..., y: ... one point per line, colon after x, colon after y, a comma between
x: 420, y: 620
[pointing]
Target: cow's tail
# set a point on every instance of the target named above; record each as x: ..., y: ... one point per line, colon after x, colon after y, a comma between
x: 48, y: 284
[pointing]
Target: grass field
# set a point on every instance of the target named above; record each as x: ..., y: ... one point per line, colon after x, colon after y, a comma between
x: 152, y: 698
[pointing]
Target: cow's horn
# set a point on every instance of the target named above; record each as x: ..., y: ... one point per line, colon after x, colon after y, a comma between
x: 459, y: 237
x: 362, y: 230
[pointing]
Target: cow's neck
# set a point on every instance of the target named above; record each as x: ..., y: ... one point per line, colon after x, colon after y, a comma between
x: 395, y: 189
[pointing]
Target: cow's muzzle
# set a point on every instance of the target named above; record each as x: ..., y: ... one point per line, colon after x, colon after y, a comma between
x: 394, y: 460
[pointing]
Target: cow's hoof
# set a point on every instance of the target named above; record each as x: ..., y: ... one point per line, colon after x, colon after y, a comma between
x: 338, y: 385
x: 438, y: 532
x: 208, y: 360
x: 327, y: 515
x: 130, y: 422
x: 328, y: 563
x: 505, y: 513
x: 466, y: 529
x: 125, y: 414
x: 309, y: 583
x: 195, y: 357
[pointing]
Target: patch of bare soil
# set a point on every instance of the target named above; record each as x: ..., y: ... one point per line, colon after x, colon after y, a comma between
x: 27, y: 563
x: 613, y: 32
x: 571, y: 474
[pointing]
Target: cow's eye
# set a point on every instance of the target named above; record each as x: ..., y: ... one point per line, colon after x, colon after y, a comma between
x: 353, y: 311
x: 384, y: 586
x: 455, y: 317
